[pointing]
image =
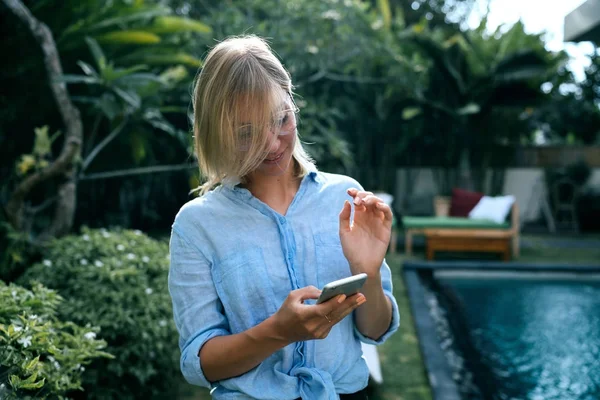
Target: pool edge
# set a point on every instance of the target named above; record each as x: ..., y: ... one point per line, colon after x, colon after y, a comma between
x: 497, y: 266
x: 442, y: 384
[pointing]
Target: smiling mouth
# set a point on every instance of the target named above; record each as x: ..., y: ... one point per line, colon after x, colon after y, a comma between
x: 274, y: 159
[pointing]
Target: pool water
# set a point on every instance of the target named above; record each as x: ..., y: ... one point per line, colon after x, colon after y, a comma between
x: 529, y: 338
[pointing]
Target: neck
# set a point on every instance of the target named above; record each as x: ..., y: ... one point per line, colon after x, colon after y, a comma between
x: 276, y: 191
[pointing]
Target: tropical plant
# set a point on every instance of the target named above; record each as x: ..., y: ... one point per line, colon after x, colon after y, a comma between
x: 350, y: 73
x: 475, y: 80
x: 136, y: 96
x: 572, y: 116
x: 41, y: 356
x: 128, y: 99
x: 117, y: 280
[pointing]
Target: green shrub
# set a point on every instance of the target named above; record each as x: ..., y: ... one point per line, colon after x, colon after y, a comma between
x: 118, y: 281
x: 40, y: 355
x: 16, y: 252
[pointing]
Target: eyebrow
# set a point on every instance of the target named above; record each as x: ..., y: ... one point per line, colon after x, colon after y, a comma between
x: 291, y: 107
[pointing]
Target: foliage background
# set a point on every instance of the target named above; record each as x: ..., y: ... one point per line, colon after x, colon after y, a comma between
x: 381, y: 84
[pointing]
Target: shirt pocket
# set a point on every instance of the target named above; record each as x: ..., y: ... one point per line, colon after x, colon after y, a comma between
x: 244, y: 288
x: 331, y: 262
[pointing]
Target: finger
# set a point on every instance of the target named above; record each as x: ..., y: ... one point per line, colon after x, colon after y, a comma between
x: 371, y: 200
x: 360, y: 197
x: 387, y: 211
x: 349, y: 305
x: 305, y: 293
x: 360, y: 194
x: 329, y: 306
x: 345, y: 217
x: 352, y: 191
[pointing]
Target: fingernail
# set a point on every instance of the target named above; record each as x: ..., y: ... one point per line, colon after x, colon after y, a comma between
x: 361, y: 299
x: 356, y: 201
x: 341, y: 298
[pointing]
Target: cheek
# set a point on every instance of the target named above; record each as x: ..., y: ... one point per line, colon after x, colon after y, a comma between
x: 290, y: 140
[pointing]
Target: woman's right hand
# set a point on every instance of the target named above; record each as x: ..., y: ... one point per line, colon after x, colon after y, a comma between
x: 296, y: 321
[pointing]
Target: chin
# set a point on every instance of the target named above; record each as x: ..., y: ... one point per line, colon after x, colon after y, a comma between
x: 279, y: 169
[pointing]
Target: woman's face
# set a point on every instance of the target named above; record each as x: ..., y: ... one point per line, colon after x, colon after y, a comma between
x: 280, y: 146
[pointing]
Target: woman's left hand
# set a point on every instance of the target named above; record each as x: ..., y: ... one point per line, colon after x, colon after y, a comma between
x: 365, y: 241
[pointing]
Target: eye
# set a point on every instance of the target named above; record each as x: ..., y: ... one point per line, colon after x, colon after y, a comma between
x: 245, y: 134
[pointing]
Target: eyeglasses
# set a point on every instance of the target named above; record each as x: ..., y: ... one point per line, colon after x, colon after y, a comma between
x: 283, y: 124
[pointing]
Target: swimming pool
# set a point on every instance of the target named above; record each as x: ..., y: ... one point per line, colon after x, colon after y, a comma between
x: 508, y: 331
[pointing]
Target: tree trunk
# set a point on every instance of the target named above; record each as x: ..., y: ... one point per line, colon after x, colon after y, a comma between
x: 63, y: 167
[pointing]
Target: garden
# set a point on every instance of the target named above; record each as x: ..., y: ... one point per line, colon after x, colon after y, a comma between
x: 97, y: 158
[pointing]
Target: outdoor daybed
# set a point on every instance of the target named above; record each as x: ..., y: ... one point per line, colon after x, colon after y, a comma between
x: 461, y: 233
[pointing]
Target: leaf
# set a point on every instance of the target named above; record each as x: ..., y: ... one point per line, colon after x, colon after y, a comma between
x: 32, y: 363
x: 410, y: 112
x: 441, y: 61
x: 30, y: 379
x: 171, y: 58
x: 80, y: 79
x: 85, y: 99
x: 129, y: 37
x: 130, y: 97
x: 119, y: 73
x: 41, y: 145
x: 469, y: 109
x: 156, y: 119
x: 400, y: 18
x: 174, y: 74
x: 109, y: 106
x: 516, y: 64
x: 138, y: 147
x: 132, y: 16
x: 96, y: 52
x: 33, y: 385
x: 15, y: 381
x: 386, y: 13
x: 142, y: 79
x: 88, y: 69
x: 172, y: 24
x: 26, y: 163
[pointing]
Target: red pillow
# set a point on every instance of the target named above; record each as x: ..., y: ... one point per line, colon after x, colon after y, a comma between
x: 463, y: 201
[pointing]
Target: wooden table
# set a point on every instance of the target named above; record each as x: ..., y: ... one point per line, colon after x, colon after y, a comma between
x: 481, y: 240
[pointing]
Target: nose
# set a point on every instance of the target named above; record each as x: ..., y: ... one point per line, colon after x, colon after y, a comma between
x: 274, y: 144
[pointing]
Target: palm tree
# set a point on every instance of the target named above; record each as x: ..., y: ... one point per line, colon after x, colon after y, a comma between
x: 478, y: 84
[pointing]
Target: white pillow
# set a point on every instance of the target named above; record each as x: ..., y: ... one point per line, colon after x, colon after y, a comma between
x: 493, y: 208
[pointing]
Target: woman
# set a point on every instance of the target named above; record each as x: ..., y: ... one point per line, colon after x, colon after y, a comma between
x: 248, y: 255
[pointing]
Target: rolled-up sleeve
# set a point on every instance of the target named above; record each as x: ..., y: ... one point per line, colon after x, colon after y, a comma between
x: 386, y: 283
x: 197, y: 310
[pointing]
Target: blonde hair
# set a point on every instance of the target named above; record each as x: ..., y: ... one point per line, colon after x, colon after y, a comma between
x: 240, y: 86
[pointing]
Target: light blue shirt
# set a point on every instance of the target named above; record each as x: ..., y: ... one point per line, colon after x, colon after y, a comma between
x: 234, y: 261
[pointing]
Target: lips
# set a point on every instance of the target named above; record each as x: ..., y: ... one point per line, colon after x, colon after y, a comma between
x: 274, y: 159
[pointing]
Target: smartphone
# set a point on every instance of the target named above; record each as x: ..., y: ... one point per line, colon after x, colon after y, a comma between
x: 347, y: 286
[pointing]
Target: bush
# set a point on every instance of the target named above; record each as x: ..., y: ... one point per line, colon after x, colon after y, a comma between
x: 16, y: 252
x: 118, y: 281
x: 41, y: 356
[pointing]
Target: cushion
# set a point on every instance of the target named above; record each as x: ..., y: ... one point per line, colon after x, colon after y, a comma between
x: 463, y: 202
x: 493, y: 208
x: 451, y: 223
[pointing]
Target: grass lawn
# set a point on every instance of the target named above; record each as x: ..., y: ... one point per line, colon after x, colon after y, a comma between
x: 402, y: 366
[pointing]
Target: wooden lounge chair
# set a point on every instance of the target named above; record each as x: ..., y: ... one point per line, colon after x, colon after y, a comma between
x: 444, y: 233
